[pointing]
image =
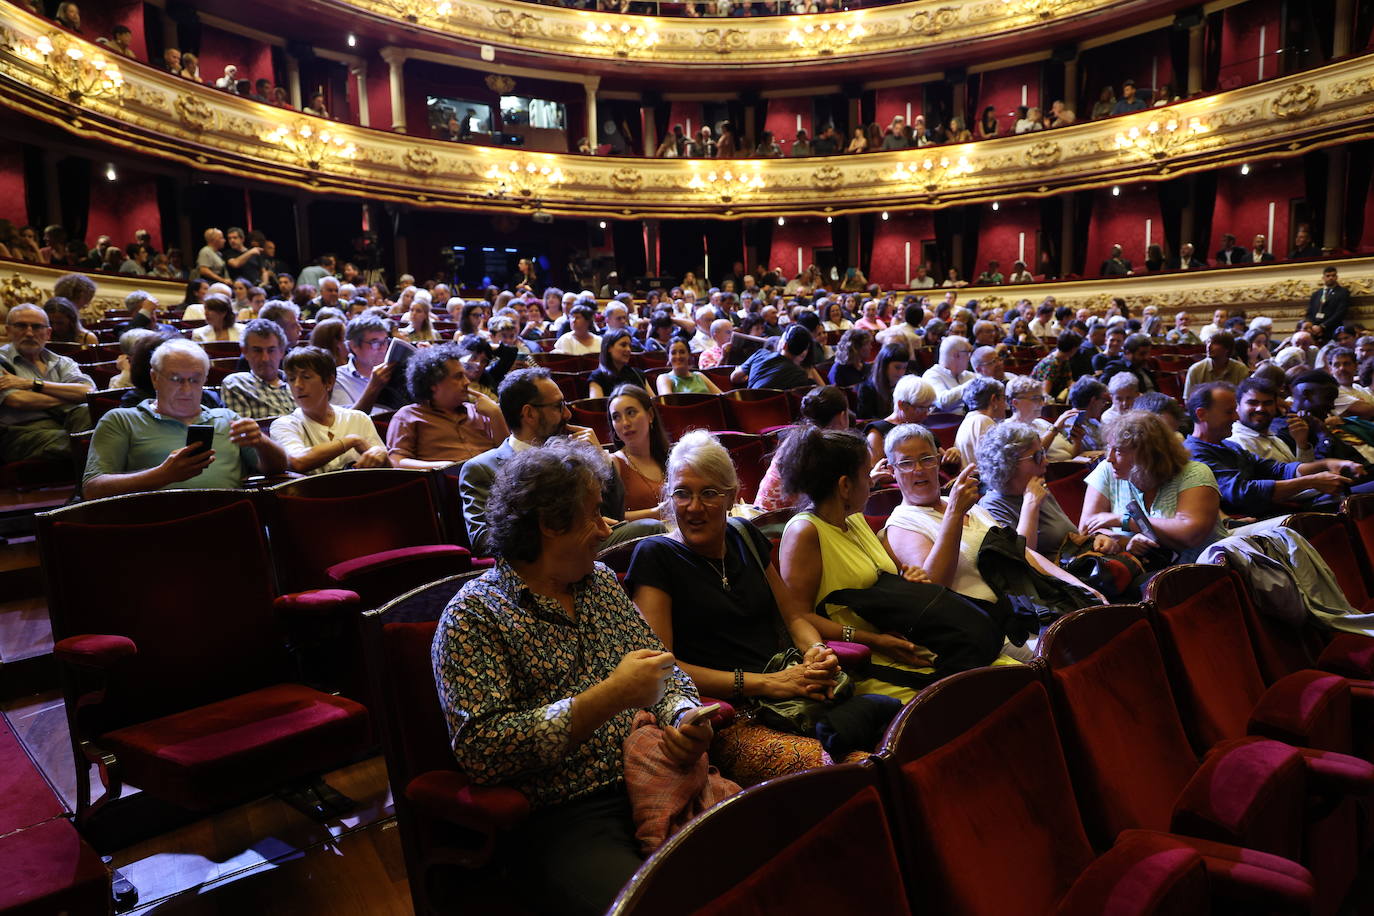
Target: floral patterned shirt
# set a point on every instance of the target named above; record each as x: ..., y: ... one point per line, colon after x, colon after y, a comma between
x: 508, y: 663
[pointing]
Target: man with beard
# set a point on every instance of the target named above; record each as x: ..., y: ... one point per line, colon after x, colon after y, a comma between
x: 1252, y: 486
x: 1258, y: 403
x: 1314, y: 400
x: 535, y: 411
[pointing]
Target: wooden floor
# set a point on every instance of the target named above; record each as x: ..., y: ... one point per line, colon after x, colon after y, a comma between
x: 262, y: 858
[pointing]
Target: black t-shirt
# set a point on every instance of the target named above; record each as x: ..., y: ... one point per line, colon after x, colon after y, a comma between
x: 774, y: 370
x: 714, y: 627
x: 251, y: 269
x: 609, y: 380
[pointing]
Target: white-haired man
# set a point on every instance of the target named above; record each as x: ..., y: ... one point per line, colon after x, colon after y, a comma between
x: 949, y: 376
x: 42, y: 394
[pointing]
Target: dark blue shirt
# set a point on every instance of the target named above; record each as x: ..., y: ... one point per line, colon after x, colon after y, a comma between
x: 1245, y: 480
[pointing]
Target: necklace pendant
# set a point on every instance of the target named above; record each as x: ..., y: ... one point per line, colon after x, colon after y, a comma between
x: 725, y: 582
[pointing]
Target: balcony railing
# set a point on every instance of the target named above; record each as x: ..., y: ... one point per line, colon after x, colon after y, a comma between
x: 161, y: 115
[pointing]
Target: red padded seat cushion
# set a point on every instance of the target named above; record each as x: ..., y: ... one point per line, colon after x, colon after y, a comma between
x: 1145, y: 873
x: 25, y: 798
x: 49, y: 869
x: 220, y: 752
x: 448, y: 554
x: 854, y: 841
x: 1249, y: 880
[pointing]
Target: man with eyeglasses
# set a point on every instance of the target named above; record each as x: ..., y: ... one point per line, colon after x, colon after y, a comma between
x: 42, y: 394
x: 145, y: 447
x: 362, y: 382
x: 535, y: 411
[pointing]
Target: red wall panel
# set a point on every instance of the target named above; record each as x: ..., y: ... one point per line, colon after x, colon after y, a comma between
x: 218, y: 49
x: 1250, y: 36
x: 888, y: 103
x: 888, y: 263
x: 689, y: 115
x: 807, y: 234
x: 131, y: 15
x: 13, y: 201
x: 1144, y: 58
x: 119, y: 208
x: 999, y: 236
x: 1242, y: 206
x: 1002, y: 90
x: 379, y: 93
x: 782, y: 119
x: 1122, y: 221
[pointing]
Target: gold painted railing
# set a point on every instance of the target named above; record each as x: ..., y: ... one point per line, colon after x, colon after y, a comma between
x: 155, y: 113
x: 751, y: 42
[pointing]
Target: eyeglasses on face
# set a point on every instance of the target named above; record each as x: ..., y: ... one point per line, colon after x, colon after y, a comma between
x: 907, y: 465
x: 710, y: 497
x: 1037, y: 456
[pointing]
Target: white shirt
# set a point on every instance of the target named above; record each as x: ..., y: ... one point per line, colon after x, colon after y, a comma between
x: 1263, y: 446
x: 974, y: 427
x: 1061, y: 449
x: 571, y: 345
x: 1349, y: 395
x: 949, y: 390
x: 194, y: 312
x: 298, y: 434
x: 1206, y: 333
x: 926, y: 282
x: 349, y: 385
x: 206, y: 334
x: 700, y: 342
x: 927, y: 520
x: 1042, y: 329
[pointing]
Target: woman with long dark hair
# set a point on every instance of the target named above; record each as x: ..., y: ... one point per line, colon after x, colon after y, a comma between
x: 875, y: 394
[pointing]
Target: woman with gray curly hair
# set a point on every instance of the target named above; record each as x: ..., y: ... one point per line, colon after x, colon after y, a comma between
x: 547, y: 713
x: 449, y: 421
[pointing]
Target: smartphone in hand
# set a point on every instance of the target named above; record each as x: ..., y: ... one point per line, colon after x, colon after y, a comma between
x: 201, y: 437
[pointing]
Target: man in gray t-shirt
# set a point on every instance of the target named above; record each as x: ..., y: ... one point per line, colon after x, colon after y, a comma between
x: 209, y: 263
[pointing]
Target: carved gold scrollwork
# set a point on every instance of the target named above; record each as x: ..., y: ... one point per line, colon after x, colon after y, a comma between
x: 17, y: 290
x: 827, y: 177
x: 932, y: 22
x: 627, y: 180
x: 1296, y: 101
x: 499, y: 83
x: 421, y: 161
x: 194, y: 112
x: 722, y: 41
x: 1043, y: 153
x: 518, y: 25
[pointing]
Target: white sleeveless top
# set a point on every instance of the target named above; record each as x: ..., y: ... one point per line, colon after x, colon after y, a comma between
x: 926, y: 520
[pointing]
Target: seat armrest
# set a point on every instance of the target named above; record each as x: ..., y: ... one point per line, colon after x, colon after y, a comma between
x: 1249, y: 792
x: 1349, y: 654
x: 319, y: 602
x: 486, y: 810
x: 1245, y: 880
x: 94, y: 650
x: 450, y: 556
x: 1339, y: 774
x: 1163, y: 876
x: 723, y: 717
x: 1307, y: 708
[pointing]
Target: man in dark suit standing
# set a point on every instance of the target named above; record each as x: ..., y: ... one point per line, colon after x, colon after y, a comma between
x: 1230, y: 252
x: 1329, y: 303
x: 534, y: 410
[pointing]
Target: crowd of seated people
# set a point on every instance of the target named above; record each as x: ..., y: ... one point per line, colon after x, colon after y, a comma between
x: 1160, y: 478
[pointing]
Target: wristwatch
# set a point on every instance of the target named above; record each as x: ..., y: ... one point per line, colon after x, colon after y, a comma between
x: 37, y: 384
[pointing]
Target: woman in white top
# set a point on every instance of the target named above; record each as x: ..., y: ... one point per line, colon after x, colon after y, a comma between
x: 580, y: 340
x: 318, y: 436
x: 1062, y: 440
x: 942, y: 536
x: 834, y: 318
x: 220, y: 321
x: 986, y: 401
x: 419, y: 328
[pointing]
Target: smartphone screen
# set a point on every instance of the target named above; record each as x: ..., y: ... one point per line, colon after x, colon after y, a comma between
x: 202, y: 436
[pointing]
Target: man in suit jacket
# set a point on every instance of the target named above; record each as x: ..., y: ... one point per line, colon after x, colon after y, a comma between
x: 1329, y: 303
x: 1187, y: 259
x: 535, y: 410
x: 1230, y: 252
x: 1259, y: 254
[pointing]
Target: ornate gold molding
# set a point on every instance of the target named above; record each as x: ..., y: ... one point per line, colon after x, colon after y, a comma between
x: 169, y: 117
x: 21, y: 282
x: 749, y: 42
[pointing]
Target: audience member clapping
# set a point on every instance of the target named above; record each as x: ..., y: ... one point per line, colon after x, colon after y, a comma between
x: 318, y: 436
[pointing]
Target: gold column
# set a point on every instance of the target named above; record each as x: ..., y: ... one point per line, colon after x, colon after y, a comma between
x: 650, y: 129
x: 359, y: 74
x: 293, y: 80
x: 1195, y: 58
x: 1344, y: 19
x: 1071, y: 87
x: 1337, y: 165
x: 590, y: 126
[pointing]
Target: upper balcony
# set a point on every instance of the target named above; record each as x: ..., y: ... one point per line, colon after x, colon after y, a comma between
x: 871, y: 43
x: 155, y: 113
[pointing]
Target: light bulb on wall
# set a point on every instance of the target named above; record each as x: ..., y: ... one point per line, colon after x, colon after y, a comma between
x: 601, y: 225
x: 1245, y: 168
x: 996, y: 205
x: 830, y: 219
x: 1116, y: 190
x: 884, y: 214
x: 782, y: 221
x: 110, y: 174
x: 352, y: 40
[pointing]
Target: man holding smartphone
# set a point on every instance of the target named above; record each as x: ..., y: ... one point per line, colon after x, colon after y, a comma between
x: 160, y: 443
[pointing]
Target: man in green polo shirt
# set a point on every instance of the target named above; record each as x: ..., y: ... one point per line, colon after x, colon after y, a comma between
x: 144, y: 447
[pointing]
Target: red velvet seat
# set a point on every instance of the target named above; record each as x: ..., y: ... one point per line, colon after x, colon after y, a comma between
x: 181, y: 681
x: 756, y: 410
x: 1333, y: 539
x: 1133, y: 766
x: 812, y: 842
x: 592, y: 413
x: 375, y: 531
x: 682, y: 412
x: 720, y: 376
x: 977, y: 775
x: 443, y: 820
x: 1070, y: 491
x: 750, y: 455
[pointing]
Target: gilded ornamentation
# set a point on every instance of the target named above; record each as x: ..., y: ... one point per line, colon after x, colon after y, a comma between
x: 827, y: 177
x: 499, y: 83
x: 421, y: 161
x: 722, y: 41
x: 194, y: 112
x: 627, y: 180
x: 18, y: 289
x: 932, y: 22
x: 518, y: 25
x: 1296, y: 100
x: 1043, y: 153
